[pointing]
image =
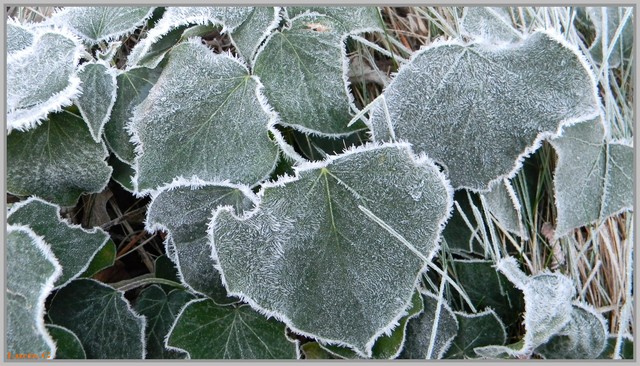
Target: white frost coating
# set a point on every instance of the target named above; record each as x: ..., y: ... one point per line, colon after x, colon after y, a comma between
x: 46, y: 288
x: 175, y: 321
x: 493, y: 26
x: 112, y: 73
x: 23, y: 66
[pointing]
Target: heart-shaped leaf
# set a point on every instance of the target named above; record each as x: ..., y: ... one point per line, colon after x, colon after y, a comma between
x: 98, y: 96
x: 220, y: 132
x: 185, y: 213
x: 335, y: 252
x: 41, y: 78
x: 95, y: 24
x: 73, y: 246
x: 479, y: 110
x: 161, y: 311
x: 57, y: 161
x: 593, y: 178
x: 491, y: 24
x: 31, y: 271
x: 476, y: 330
x: 67, y: 343
x: 102, y: 319
x: 208, y: 331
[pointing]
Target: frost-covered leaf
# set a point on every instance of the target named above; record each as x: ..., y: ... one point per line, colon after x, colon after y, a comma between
x: 584, y: 337
x: 41, y: 78
x: 303, y: 68
x: 57, y: 161
x: 492, y: 24
x: 593, y: 178
x: 67, y: 343
x: 202, y: 120
x: 607, y: 20
x: 348, y: 19
x: 208, y: 331
x: 104, y: 258
x: 548, y: 308
x: 476, y: 330
x: 429, y: 335
x: 98, y: 95
x: 335, y: 251
x: 185, y: 213
x: 102, y: 319
x: 30, y: 273
x: 251, y: 33
x: 73, y: 246
x: 479, y: 110
x: 161, y: 310
x: 492, y: 291
x: 132, y: 87
x: 19, y: 36
x: 504, y: 205
x: 95, y: 24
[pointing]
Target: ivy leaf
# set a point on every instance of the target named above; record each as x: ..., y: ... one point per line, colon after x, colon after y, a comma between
x: 606, y: 21
x: 485, y: 110
x: 593, y: 178
x: 95, y: 24
x: 422, y: 342
x: 548, y: 308
x: 488, y: 23
x: 102, y: 319
x: 98, y: 95
x: 185, y: 213
x: 67, y: 343
x: 303, y: 68
x: 132, y: 87
x: 31, y: 272
x: 476, y: 330
x: 335, y: 252
x: 348, y: 19
x: 41, y: 78
x: 258, y: 24
x: 19, y: 36
x: 208, y: 331
x: 584, y: 337
x: 504, y: 205
x: 73, y: 246
x: 103, y: 259
x: 42, y: 162
x: 202, y: 140
x: 161, y: 311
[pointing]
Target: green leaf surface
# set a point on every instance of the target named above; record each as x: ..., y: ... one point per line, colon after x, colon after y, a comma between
x: 429, y: 335
x: 161, y: 310
x: 476, y: 330
x: 313, y: 351
x: 348, y: 19
x: 505, y: 206
x: 626, y: 348
x: 19, y: 36
x: 57, y: 161
x: 98, y: 96
x: 491, y: 24
x: 30, y: 273
x: 336, y: 250
x: 132, y: 87
x: 122, y: 173
x: 95, y: 24
x: 67, y: 343
x: 73, y: 246
x: 41, y: 78
x: 102, y: 319
x: 259, y: 23
x: 104, y: 258
x: 202, y: 140
x: 185, y: 213
x: 593, y: 178
x: 584, y: 337
x: 606, y: 21
x: 208, y: 331
x: 303, y: 70
x: 485, y: 108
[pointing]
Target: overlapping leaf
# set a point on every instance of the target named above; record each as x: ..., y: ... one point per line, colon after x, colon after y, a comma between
x: 492, y: 24
x: 31, y: 271
x: 478, y: 110
x: 95, y: 24
x: 41, y: 78
x: 476, y: 330
x: 504, y: 205
x: 19, y: 36
x: 98, y: 96
x: 336, y: 251
x: 348, y: 19
x: 185, y: 212
x: 202, y: 120
x: 101, y: 318
x: 593, y: 178
x: 73, y: 246
x: 208, y: 331
x: 57, y: 161
x: 67, y: 343
x: 252, y: 32
x: 607, y: 20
